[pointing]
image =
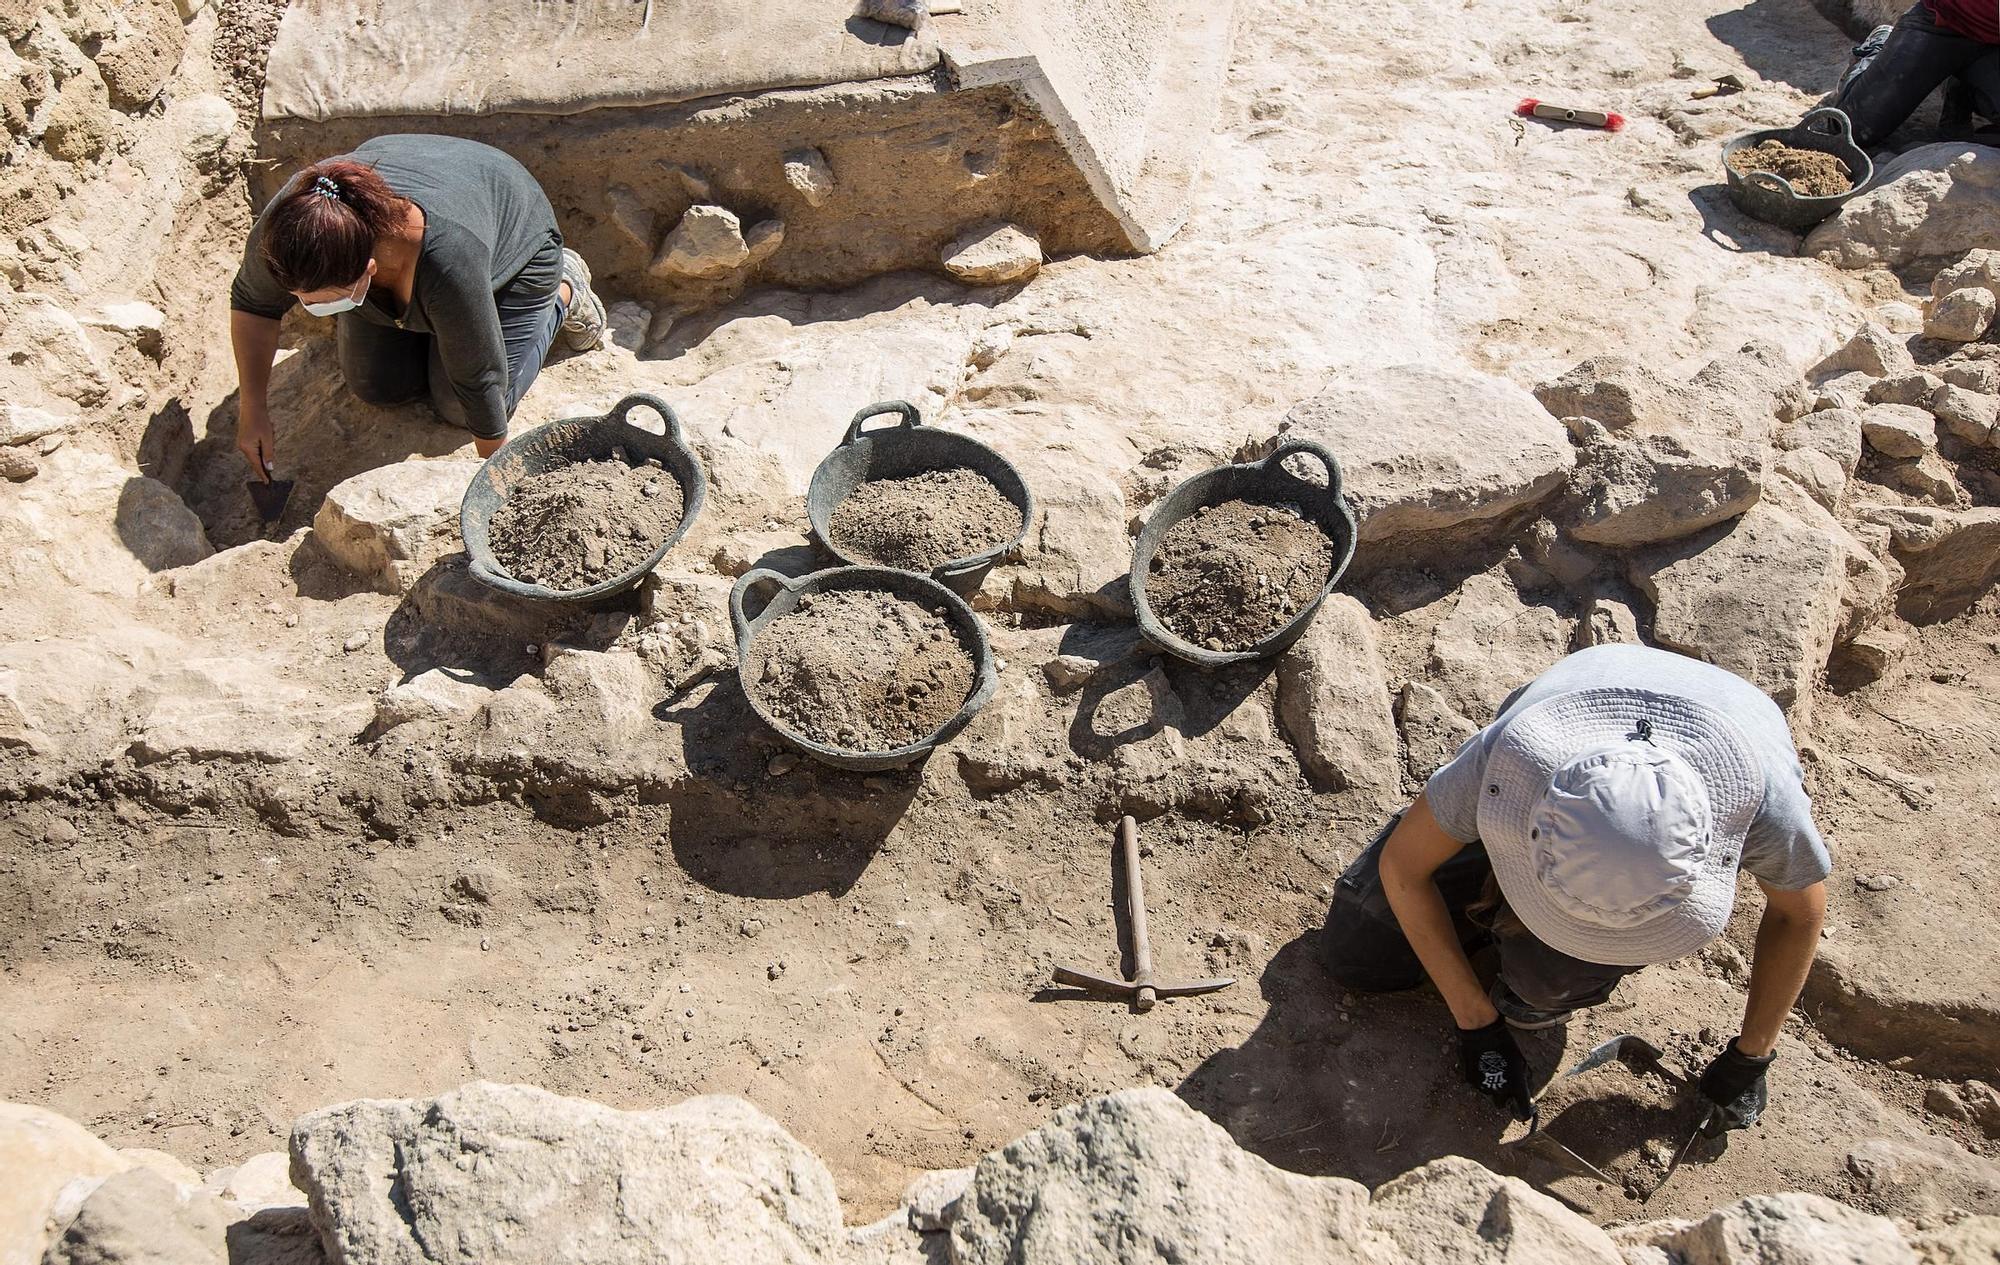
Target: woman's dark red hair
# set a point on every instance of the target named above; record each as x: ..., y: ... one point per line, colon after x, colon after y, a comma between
x: 323, y: 230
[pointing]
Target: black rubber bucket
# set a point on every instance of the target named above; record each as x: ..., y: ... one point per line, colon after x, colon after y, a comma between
x: 906, y: 584
x: 898, y: 452
x: 1266, y: 481
x: 562, y: 443
x: 1769, y: 197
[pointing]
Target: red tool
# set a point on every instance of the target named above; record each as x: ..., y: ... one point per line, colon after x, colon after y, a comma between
x: 1141, y: 988
x: 1530, y: 108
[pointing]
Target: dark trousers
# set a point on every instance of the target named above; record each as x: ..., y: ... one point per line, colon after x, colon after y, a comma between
x: 386, y: 366
x: 1364, y: 948
x: 1885, y: 85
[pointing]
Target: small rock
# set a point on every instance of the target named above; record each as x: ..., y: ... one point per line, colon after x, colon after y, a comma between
x: 1877, y: 882
x: 1899, y: 430
x: 707, y: 243
x: 932, y: 1199
x: 1875, y: 649
x: 355, y: 641
x: 806, y: 170
x: 1606, y: 621
x: 782, y: 763
x: 1944, y: 1100
x: 1873, y: 351
x: 17, y: 464
x: 1966, y: 414
x: 1983, y: 1102
x: 993, y: 254
x: 775, y: 970
x: 749, y: 927
x: 762, y: 241
x: 1981, y: 376
x: 1067, y: 673
x: 910, y: 14
x: 1905, y: 388
x: 1960, y: 316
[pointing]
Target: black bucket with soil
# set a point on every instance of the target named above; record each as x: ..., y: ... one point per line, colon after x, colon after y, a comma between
x: 1233, y: 563
x: 915, y: 498
x: 1818, y: 152
x: 864, y: 668
x: 580, y: 510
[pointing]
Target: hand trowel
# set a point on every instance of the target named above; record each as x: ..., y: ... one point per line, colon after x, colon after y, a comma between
x: 269, y: 496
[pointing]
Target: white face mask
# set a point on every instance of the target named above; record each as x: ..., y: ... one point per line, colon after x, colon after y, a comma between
x: 345, y: 303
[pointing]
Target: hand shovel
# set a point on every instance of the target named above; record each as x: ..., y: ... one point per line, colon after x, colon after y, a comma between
x: 269, y: 497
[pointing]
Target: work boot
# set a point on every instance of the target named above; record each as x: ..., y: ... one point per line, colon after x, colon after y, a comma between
x: 1520, y: 1014
x: 583, y: 325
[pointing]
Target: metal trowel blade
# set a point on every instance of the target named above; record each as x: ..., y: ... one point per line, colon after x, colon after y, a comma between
x: 270, y: 498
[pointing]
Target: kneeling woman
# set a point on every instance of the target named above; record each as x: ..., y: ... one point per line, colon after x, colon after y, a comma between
x: 441, y: 260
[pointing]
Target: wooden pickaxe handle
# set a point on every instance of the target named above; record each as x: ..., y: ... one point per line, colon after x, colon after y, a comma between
x: 1135, y: 908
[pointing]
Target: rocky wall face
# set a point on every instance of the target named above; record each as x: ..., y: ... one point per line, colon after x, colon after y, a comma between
x: 687, y: 205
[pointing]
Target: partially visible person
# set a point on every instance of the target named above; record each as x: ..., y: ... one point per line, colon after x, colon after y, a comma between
x: 1595, y: 827
x: 1950, y: 42
x: 440, y: 261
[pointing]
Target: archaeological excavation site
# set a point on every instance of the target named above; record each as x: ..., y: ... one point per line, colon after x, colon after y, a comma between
x: 903, y: 632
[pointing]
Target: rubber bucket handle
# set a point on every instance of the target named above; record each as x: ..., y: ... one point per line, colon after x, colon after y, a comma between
x: 622, y: 410
x: 1772, y: 181
x: 751, y: 579
x: 1276, y: 461
x: 1843, y: 126
x: 909, y: 411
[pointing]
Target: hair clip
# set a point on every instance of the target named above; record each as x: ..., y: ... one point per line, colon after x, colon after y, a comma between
x: 325, y: 187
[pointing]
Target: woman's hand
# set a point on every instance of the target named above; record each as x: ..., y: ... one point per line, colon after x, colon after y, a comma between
x: 257, y: 441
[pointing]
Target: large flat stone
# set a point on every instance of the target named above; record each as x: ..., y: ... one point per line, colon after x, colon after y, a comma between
x: 1333, y: 700
x: 389, y: 524
x: 1422, y: 449
x: 1931, y: 200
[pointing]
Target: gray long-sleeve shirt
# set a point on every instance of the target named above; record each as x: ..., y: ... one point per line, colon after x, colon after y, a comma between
x: 484, y: 219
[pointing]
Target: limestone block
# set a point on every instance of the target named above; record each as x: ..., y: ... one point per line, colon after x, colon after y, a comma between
x: 1433, y: 730
x: 1011, y: 742
x: 1760, y: 597
x: 1928, y: 201
x: 807, y: 171
x: 932, y: 1199
x: 1904, y: 388
x: 213, y: 709
x: 1872, y: 350
x: 1979, y: 376
x: 1973, y: 1241
x: 1142, y: 1167
x: 1454, y: 1212
x: 1950, y: 559
x: 1612, y: 389
x: 1491, y: 643
x: 557, y: 1179
x: 1876, y: 650
x: 167, y: 1166
x: 42, y: 1154
x: 1960, y: 316
x: 993, y: 254
x: 389, y: 524
x: 1075, y: 556
x: 46, y: 364
x: 631, y: 216
x: 138, y: 1217
x: 1333, y: 701
x: 1635, y: 488
x: 707, y: 243
x: 1404, y: 473
x: 262, y: 1181
x: 18, y: 464
x: 1820, y: 475
x: 1606, y: 621
x: 438, y: 694
x: 1975, y: 270
x: 1966, y: 414
x: 141, y: 55
x: 1899, y: 430
x: 1789, y: 1229
x: 19, y: 423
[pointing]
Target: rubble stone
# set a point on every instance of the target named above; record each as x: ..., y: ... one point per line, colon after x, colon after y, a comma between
x: 138, y: 1217
x: 1968, y: 415
x: 558, y: 1179
x: 1453, y: 1211
x: 1961, y: 316
x: 707, y: 243
x: 142, y: 54
x: 993, y: 254
x: 1491, y: 643
x: 17, y: 464
x: 45, y: 1160
x: 1982, y: 377
x: 437, y: 694
x: 1789, y: 1229
x: 1905, y: 388
x: 1820, y: 475
x: 807, y: 171
x: 1899, y: 430
x: 1433, y: 730
x: 389, y: 524
x: 1333, y: 702
x: 1509, y: 452
x: 1926, y: 202
x: 1872, y: 350
x: 1636, y: 489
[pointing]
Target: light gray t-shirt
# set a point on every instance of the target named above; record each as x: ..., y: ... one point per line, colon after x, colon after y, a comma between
x: 1783, y: 847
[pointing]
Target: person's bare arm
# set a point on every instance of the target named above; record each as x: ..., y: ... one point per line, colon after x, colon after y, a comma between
x: 1787, y: 938
x: 254, y: 341
x: 1412, y: 854
x: 487, y: 447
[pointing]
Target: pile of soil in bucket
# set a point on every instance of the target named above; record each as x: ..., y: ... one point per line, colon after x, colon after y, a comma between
x: 586, y: 523
x: 1227, y: 576
x: 1810, y: 172
x: 923, y: 521
x: 861, y: 670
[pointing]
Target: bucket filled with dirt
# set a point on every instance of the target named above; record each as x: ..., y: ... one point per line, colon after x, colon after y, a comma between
x: 1795, y: 177
x: 861, y: 667
x: 1235, y: 561
x: 582, y: 509
x: 915, y: 498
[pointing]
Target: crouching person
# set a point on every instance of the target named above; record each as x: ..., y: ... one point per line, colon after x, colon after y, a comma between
x: 1595, y: 827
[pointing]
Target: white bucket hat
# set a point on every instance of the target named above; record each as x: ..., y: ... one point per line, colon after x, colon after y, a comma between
x: 1614, y: 819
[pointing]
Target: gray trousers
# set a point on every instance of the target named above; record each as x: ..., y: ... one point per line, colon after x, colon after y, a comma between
x: 386, y: 366
x: 1364, y: 947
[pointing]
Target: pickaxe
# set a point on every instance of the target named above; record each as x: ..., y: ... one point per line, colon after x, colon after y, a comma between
x: 1141, y: 988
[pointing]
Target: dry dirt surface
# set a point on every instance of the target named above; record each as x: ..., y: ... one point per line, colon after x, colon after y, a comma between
x: 921, y: 522
x: 860, y: 670
x: 273, y: 837
x: 585, y: 523
x: 1811, y: 172
x: 1227, y: 576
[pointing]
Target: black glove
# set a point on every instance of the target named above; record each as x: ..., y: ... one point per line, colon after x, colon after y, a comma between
x: 1733, y: 1085
x: 1492, y: 1064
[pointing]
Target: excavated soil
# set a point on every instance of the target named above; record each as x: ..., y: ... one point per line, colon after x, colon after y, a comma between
x: 1628, y: 1121
x: 923, y: 521
x: 1812, y: 173
x: 1229, y: 575
x: 585, y: 523
x: 861, y: 670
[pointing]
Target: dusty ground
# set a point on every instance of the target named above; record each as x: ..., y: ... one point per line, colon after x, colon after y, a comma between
x: 867, y: 959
